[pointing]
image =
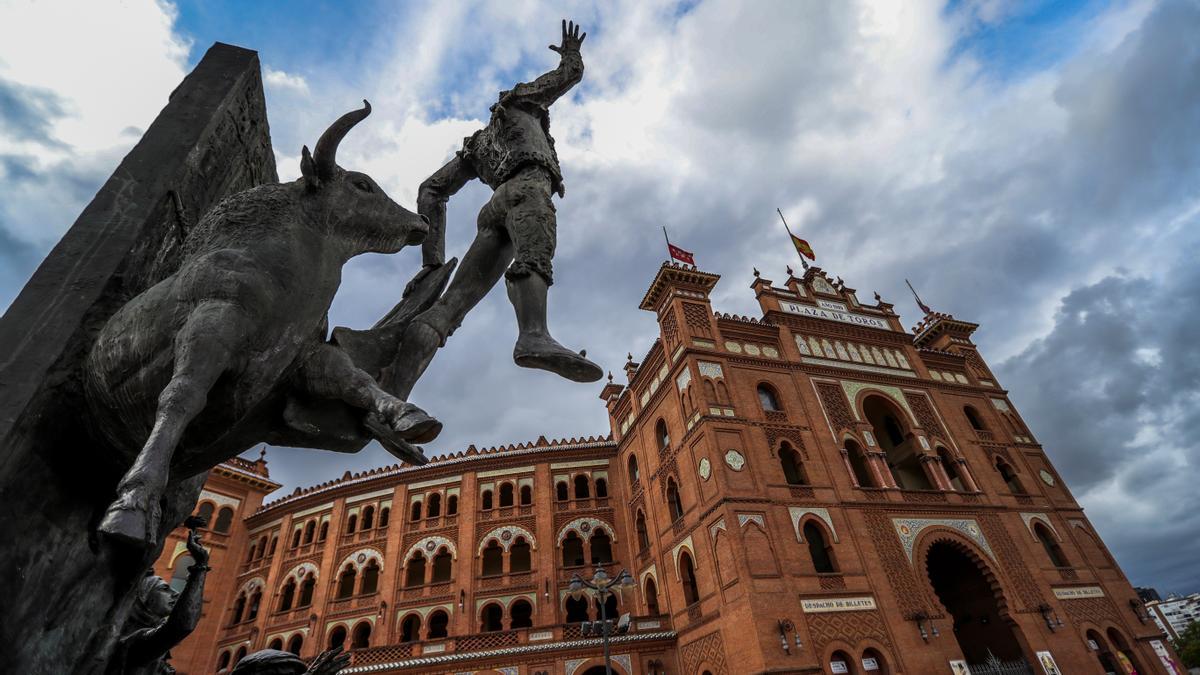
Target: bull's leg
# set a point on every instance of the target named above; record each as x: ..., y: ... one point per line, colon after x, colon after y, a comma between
x: 204, y: 348
x: 330, y: 373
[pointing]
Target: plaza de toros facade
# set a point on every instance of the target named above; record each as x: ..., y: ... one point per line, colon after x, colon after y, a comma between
x: 815, y: 490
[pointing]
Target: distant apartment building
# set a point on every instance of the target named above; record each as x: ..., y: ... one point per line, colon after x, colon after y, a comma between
x: 1175, y: 613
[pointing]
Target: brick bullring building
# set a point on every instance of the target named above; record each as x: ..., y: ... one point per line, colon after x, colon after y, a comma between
x: 813, y: 491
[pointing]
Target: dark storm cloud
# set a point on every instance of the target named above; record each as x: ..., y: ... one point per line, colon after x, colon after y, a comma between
x: 27, y: 113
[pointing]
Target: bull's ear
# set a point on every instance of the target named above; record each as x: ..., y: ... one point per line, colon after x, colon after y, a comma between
x: 308, y: 169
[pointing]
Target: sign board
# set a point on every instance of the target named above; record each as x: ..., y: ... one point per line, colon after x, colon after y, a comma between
x: 869, y: 663
x: 1076, y: 592
x: 838, y: 667
x: 821, y: 605
x: 829, y: 304
x: 959, y: 668
x: 1048, y: 664
x: 834, y: 315
x: 1165, y: 657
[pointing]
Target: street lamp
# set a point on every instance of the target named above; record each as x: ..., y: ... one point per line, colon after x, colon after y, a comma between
x: 602, y: 586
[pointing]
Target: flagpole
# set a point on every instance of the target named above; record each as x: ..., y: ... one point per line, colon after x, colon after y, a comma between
x: 791, y: 237
x: 664, y: 227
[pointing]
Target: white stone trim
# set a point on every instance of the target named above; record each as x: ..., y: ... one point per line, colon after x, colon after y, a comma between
x: 370, y: 554
x: 498, y: 534
x: 585, y: 533
x: 423, y: 546
x: 370, y: 495
x: 797, y: 514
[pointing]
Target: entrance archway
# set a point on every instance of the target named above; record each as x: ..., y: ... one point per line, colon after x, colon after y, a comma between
x: 967, y: 589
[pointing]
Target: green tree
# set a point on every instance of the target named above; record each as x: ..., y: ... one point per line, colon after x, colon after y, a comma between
x: 1188, y: 645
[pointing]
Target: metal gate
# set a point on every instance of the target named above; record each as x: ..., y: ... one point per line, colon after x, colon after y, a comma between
x: 994, y: 666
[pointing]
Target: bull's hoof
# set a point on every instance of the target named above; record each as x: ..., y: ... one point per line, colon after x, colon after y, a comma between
x: 126, y: 526
x: 391, y: 441
x: 545, y: 353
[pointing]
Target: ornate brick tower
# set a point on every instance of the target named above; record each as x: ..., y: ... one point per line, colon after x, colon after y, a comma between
x: 818, y: 490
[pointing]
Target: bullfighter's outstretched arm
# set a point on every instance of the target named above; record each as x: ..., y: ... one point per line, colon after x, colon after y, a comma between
x: 546, y: 89
x: 184, y: 615
x: 435, y: 191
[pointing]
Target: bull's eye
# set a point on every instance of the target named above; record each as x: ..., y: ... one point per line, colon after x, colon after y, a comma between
x: 363, y: 185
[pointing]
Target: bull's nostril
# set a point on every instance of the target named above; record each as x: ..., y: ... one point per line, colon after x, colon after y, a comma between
x: 425, y: 218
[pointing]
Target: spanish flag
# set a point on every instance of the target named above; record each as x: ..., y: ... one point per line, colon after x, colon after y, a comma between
x: 802, y: 247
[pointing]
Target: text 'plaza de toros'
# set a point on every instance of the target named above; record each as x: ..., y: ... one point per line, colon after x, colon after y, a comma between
x: 813, y: 491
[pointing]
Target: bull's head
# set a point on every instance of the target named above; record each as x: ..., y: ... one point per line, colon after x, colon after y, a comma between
x: 352, y: 205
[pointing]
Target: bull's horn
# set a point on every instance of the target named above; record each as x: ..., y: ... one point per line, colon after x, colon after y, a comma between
x: 326, y: 150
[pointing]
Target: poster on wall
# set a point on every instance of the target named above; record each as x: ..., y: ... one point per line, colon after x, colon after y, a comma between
x: 959, y: 668
x: 1048, y: 664
x: 1165, y: 657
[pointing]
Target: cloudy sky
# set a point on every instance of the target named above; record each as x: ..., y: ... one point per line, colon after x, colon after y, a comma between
x: 1032, y: 166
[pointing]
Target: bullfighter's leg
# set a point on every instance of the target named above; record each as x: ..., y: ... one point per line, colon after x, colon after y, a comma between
x: 204, y: 349
x: 481, y: 268
x: 531, y: 224
x: 330, y: 373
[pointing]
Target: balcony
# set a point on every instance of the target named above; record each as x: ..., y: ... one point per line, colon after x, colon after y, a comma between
x: 431, y: 590
x: 296, y: 614
x: 510, y: 580
x: 355, y: 602
x: 582, y: 504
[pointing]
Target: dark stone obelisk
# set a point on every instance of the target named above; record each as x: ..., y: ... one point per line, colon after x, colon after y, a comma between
x: 67, y: 595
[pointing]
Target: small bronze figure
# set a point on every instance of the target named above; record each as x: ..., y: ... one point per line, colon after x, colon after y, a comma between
x: 275, y: 662
x: 162, y: 618
x: 514, y: 155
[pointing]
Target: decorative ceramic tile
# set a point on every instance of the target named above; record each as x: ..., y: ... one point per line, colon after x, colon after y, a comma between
x: 429, y: 545
x: 798, y: 512
x: 710, y: 369
x: 506, y: 535
x: 735, y: 460
x: 1000, y: 404
x: 684, y: 379
x: 719, y: 525
x: 686, y: 543
x: 744, y: 518
x: 853, y: 388
x: 705, y: 468
x: 908, y: 529
x: 585, y: 527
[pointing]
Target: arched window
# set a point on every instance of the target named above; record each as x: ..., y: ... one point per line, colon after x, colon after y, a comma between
x: 526, y: 495
x: 973, y: 418
x: 368, y: 520
x: 870, y: 656
x: 560, y: 491
x: 520, y: 614
x: 251, y: 553
x: 519, y: 557
x: 601, y: 547
x: 582, y: 487
x: 239, y: 655
x: 664, y: 438
x: 262, y: 546
x: 1053, y: 551
x: 310, y: 531
x: 493, y: 559
x: 572, y: 550
x: 287, y: 595
x: 439, y: 623
x: 370, y: 580
x: 643, y: 536
x: 306, y: 591
x: 674, y: 503
x: 223, y: 661
x: 687, y: 576
x: 767, y: 398
x: 840, y: 662
x: 891, y: 431
x: 296, y: 537
x: 486, y: 502
x: 414, y: 573
x: 252, y: 607
x: 224, y: 520
x: 351, y: 523
x: 651, y: 597
x: 416, y: 511
x: 205, y: 511
x: 793, y: 469
x: 1009, y: 476
x: 452, y: 505
x: 633, y: 472
x: 384, y: 515
x: 506, y: 494
x: 346, y: 581
x: 435, y: 506
x: 410, y: 628
x: 577, y: 609
x: 491, y: 618
x: 321, y: 536
x: 276, y: 644
x: 179, y: 574
x: 274, y: 544
x: 610, y: 607
x: 296, y: 644
x: 601, y: 488
x: 442, y: 565
x: 950, y: 466
x: 360, y: 637
x: 818, y: 550
x: 239, y: 608
x: 337, y: 637
x: 858, y: 464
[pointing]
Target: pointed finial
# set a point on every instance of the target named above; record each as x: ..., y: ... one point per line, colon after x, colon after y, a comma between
x: 755, y: 272
x: 629, y: 356
x: 789, y: 270
x: 804, y: 264
x: 610, y: 377
x: 840, y: 283
x: 878, y: 298
x: 262, y: 453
